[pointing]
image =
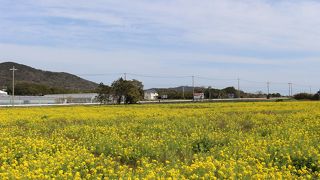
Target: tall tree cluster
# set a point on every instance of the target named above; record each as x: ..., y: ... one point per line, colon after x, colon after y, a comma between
x: 126, y: 91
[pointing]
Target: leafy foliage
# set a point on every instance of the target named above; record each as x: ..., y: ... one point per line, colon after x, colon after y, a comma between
x: 104, y: 93
x: 32, y: 89
x: 129, y: 92
x: 209, y: 93
x: 202, y: 145
x: 306, y: 96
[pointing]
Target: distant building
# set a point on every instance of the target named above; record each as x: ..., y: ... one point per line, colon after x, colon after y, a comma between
x: 198, y: 96
x: 3, y: 93
x: 18, y: 100
x: 151, y: 94
x: 73, y: 98
x: 50, y: 99
x: 231, y: 96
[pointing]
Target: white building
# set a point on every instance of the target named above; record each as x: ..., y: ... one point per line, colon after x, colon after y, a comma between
x: 3, y: 93
x: 198, y: 96
x: 151, y: 94
x: 73, y: 98
x: 50, y: 99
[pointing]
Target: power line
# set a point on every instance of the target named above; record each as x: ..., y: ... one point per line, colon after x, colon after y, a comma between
x: 279, y: 83
x: 193, y: 88
x: 239, y: 88
x: 166, y: 76
x: 257, y: 82
x: 100, y: 74
x: 206, y: 78
x: 157, y: 76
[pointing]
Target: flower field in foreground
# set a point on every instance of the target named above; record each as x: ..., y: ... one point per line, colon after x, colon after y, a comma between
x: 269, y: 140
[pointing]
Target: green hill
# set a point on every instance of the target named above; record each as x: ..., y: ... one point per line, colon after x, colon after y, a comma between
x: 52, y: 82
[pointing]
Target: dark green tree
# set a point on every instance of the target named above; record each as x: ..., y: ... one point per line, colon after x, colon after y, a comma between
x: 303, y: 96
x: 134, y: 92
x: 129, y: 92
x: 104, y: 93
x: 119, y: 88
x: 316, y: 96
x: 211, y: 93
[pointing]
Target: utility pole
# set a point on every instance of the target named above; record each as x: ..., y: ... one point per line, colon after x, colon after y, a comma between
x: 310, y: 88
x: 268, y: 87
x: 193, y: 88
x: 13, y: 70
x: 125, y: 76
x: 290, y: 89
x: 239, y: 88
x: 183, y: 92
x: 209, y: 92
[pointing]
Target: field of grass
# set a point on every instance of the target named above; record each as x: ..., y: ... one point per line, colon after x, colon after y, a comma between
x: 219, y: 140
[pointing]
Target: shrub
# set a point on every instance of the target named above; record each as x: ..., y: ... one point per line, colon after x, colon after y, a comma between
x: 303, y: 96
x: 316, y: 97
x: 246, y: 125
x: 202, y: 145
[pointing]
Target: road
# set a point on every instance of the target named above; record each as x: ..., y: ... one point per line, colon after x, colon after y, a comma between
x: 168, y: 101
x: 211, y: 100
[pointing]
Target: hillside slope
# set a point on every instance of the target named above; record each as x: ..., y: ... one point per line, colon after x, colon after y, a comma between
x: 26, y: 74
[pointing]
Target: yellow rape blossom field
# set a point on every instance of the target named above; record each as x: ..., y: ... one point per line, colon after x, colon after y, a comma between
x: 265, y: 140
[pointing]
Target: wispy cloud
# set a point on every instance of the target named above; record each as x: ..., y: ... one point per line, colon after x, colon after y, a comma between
x: 276, y: 25
x: 256, y: 36
x: 162, y: 63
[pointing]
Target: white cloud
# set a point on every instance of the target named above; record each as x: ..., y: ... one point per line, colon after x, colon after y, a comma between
x: 167, y: 37
x: 165, y: 64
x: 265, y: 24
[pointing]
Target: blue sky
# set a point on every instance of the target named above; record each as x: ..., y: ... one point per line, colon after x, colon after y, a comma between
x: 257, y: 40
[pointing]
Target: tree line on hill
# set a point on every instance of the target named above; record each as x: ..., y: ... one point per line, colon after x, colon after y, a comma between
x: 209, y: 93
x: 120, y: 91
x: 131, y: 91
x: 307, y: 96
x: 34, y: 89
x: 35, y: 82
